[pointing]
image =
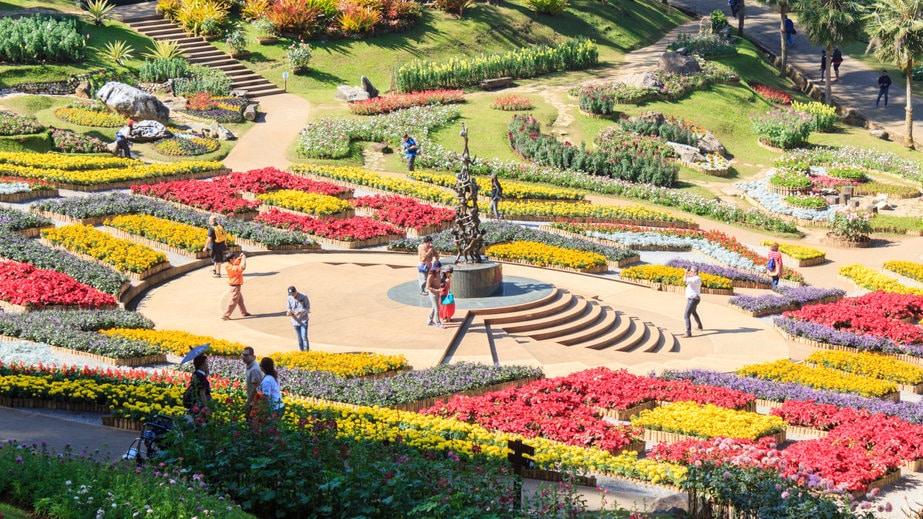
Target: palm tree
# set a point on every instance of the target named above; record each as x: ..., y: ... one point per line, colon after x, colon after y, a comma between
x: 896, y: 31
x: 831, y: 22
x: 784, y: 8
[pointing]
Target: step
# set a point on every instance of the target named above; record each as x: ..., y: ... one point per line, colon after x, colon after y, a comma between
x: 590, y: 316
x: 171, y: 32
x: 253, y: 94
x: 575, y: 310
x: 625, y: 336
x: 213, y: 62
x: 238, y: 72
x: 203, y: 56
x: 606, y: 324
x: 653, y: 338
x: 553, y: 295
x: 143, y: 18
x: 252, y: 84
x: 563, y: 302
x: 191, y: 40
x: 146, y: 25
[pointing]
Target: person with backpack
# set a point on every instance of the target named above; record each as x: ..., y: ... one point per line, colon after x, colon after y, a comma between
x: 774, y: 264
x: 789, y: 31
x: 216, y: 244
x: 496, y: 193
x: 199, y: 392
x: 836, y: 58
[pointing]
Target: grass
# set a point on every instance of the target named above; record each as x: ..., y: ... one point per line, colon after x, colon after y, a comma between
x: 11, y: 512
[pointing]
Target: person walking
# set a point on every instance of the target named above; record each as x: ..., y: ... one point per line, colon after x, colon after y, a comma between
x: 270, y: 387
x: 447, y: 301
x: 216, y: 244
x: 735, y: 7
x: 409, y: 145
x: 426, y: 255
x: 298, y: 308
x: 237, y: 263
x: 693, y: 297
x: 434, y: 286
x: 774, y: 264
x: 823, y: 63
x: 496, y: 193
x: 884, y: 83
x: 252, y: 377
x: 836, y: 58
x: 789, y: 31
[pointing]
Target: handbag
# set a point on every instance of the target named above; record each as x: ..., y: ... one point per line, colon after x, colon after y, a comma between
x: 448, y: 299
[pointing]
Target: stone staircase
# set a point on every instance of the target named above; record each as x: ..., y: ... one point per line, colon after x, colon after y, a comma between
x: 197, y: 50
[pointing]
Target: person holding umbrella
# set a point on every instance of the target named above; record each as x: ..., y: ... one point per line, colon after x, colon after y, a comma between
x: 199, y: 393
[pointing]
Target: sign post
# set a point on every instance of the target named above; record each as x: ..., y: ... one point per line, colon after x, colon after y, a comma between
x: 285, y: 81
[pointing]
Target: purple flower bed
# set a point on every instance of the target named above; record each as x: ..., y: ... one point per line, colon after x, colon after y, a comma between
x: 784, y: 299
x: 782, y: 391
x: 400, y: 389
x: 16, y: 220
x: 828, y: 335
x: 718, y: 270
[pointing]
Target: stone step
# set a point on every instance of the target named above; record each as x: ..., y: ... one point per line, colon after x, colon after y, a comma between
x: 621, y: 340
x: 590, y: 315
x: 576, y: 308
x: 204, y: 57
x: 553, y: 295
x: 606, y: 324
x: 247, y: 83
x: 213, y: 62
x: 254, y: 93
x: 161, y: 33
x: 652, y: 340
x: 563, y: 301
x: 144, y: 18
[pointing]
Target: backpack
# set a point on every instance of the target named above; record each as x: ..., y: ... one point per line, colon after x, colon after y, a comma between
x: 190, y: 396
x: 220, y: 234
x: 771, y: 266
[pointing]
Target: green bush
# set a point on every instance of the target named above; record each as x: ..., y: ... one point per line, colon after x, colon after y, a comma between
x: 552, y: 7
x: 38, y: 39
x: 718, y: 20
x: 807, y: 202
x: 784, y: 129
x: 791, y: 179
x: 203, y: 79
x: 665, y: 131
x: 159, y: 70
x: 847, y: 172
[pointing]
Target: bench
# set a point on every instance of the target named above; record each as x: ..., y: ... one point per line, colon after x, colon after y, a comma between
x: 500, y: 82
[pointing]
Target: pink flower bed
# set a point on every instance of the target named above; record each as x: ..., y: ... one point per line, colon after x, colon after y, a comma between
x: 24, y: 285
x: 259, y: 181
x: 389, y: 103
x: 216, y: 197
x: 351, y: 229
x: 405, y: 212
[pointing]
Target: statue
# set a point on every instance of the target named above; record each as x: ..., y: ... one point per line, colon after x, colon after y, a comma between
x: 469, y: 238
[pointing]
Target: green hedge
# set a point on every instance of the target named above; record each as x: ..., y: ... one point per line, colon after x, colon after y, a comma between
x: 37, y: 142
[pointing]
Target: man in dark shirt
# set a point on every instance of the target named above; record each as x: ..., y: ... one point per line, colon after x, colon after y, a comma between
x: 884, y: 82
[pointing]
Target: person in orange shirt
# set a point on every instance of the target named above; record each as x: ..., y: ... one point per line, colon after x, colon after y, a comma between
x: 237, y: 263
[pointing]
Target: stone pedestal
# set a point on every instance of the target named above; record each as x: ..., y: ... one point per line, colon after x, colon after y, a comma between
x: 471, y: 280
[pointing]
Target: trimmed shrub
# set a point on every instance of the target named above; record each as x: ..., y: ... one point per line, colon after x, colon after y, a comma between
x: 159, y: 70
x: 38, y: 39
x: 203, y: 79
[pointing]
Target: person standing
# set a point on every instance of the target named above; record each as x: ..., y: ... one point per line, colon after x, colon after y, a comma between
x: 434, y: 286
x: 237, y: 263
x: 447, y: 301
x: 409, y: 145
x: 298, y: 308
x: 426, y: 255
x: 199, y: 392
x: 216, y: 244
x: 693, y: 297
x: 774, y: 264
x: 252, y: 377
x: 270, y: 387
x: 884, y: 83
x: 789, y: 31
x: 823, y: 63
x: 836, y: 58
x: 496, y: 193
x: 735, y: 7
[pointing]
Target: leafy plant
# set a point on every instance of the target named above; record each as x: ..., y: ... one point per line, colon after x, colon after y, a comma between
x: 783, y: 128
x: 254, y: 9
x: 718, y: 21
x: 851, y: 224
x: 264, y: 26
x: 299, y: 17
x: 169, y: 8
x: 236, y: 40
x: 210, y: 27
x: 158, y: 70
x: 298, y: 55
x: 203, y: 79
x: 118, y: 51
x: 40, y: 38
x: 356, y: 20
x: 824, y: 115
x: 193, y: 13
x: 164, y: 49
x: 454, y: 6
x: 551, y: 7
x: 98, y: 11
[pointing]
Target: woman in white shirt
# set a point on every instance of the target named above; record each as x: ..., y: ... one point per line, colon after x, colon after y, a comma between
x: 270, y: 388
x: 693, y: 297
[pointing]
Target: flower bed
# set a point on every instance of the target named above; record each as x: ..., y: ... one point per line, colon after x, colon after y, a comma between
x: 570, y: 212
x: 787, y: 298
x: 806, y: 256
x: 870, y: 365
x: 311, y: 204
x: 879, y: 314
x: 123, y: 255
x: 870, y: 279
x: 365, y: 178
x: 12, y: 123
x: 784, y: 370
x: 259, y: 181
x: 673, y: 276
x: 771, y: 93
x: 739, y: 278
x: 182, y: 237
x: 541, y: 255
x: 176, y: 342
x: 868, y: 158
x: 14, y: 190
x: 709, y: 421
x: 67, y: 141
x: 390, y: 103
x: 30, y: 288
x: 826, y: 337
x: 350, y: 233
x: 186, y: 146
x: 343, y: 364
x: 512, y: 103
x: 406, y: 212
x: 208, y: 196
x: 90, y: 114
x: 908, y: 269
x: 511, y: 188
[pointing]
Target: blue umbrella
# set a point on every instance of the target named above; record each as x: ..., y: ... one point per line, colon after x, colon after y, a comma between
x: 195, y: 352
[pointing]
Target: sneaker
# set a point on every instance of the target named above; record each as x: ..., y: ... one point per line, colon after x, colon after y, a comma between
x: 686, y: 335
x: 700, y: 326
x: 438, y: 325
x: 248, y: 315
x: 430, y: 323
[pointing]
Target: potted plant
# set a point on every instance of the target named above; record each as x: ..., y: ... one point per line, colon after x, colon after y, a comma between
x: 850, y: 228
x: 209, y: 29
x: 266, y: 31
x: 237, y: 42
x: 298, y: 56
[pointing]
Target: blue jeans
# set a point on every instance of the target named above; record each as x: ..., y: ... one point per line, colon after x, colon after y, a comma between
x: 882, y: 91
x: 301, y: 330
x: 691, y: 304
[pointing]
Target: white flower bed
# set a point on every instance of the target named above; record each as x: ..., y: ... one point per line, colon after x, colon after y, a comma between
x: 14, y: 187
x: 773, y: 202
x: 706, y: 247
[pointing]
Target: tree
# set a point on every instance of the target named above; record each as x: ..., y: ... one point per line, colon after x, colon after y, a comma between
x: 896, y: 31
x: 784, y: 6
x: 831, y: 22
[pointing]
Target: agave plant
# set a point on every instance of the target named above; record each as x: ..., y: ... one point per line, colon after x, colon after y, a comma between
x: 164, y: 49
x: 98, y: 11
x: 119, y: 51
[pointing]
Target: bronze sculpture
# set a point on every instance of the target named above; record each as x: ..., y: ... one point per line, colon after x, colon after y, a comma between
x: 469, y: 238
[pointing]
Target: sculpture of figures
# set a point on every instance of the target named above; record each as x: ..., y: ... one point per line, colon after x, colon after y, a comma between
x: 469, y: 238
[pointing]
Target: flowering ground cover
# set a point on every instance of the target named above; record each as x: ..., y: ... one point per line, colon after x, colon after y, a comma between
x: 90, y: 114
x: 186, y: 146
x: 176, y: 342
x: 870, y: 279
x: 405, y: 212
x: 879, y: 314
x: 364, y: 177
x: 784, y: 370
x: 785, y: 298
x: 87, y: 171
x: 775, y: 203
x: 174, y: 234
x: 123, y: 255
x: 512, y: 103
x: 673, y: 276
x: 67, y: 141
x: 314, y: 204
x: 772, y: 94
x: 829, y: 335
x: 543, y: 255
x: 708, y: 421
x: 798, y: 252
x: 511, y: 189
x: 867, y: 158
x: 390, y: 103
x: 735, y: 275
x: 209, y: 196
x: 11, y: 185
x: 341, y: 364
x: 909, y: 269
x: 357, y: 228
x: 12, y: 123
x: 259, y: 181
x: 567, y: 211
x: 870, y: 365
x: 24, y: 285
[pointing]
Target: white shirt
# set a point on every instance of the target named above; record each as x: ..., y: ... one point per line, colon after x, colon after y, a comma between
x: 693, y: 286
x: 271, y: 390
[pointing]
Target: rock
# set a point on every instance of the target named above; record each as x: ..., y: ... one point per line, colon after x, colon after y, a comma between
x: 380, y: 147
x: 852, y: 117
x: 83, y: 89
x: 710, y: 144
x: 128, y: 101
x: 239, y: 93
x: 687, y: 153
x: 879, y: 134
x: 653, y: 117
x: 220, y: 132
x: 883, y: 205
x: 678, y: 64
x: 112, y: 147
x: 149, y: 130
x: 642, y: 80
x: 674, y: 505
x: 250, y: 111
x: 367, y: 86
x: 350, y: 94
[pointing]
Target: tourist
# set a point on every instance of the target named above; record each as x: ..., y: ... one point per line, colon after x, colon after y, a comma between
x: 270, y: 386
x: 496, y: 193
x: 789, y: 31
x: 774, y: 264
x: 735, y: 7
x: 216, y: 244
x: 298, y: 308
x: 447, y: 302
x: 410, y: 150
x: 199, y: 392
x: 252, y: 377
x: 434, y: 286
x: 884, y: 82
x: 693, y: 297
x: 823, y: 63
x: 123, y: 140
x: 836, y: 58
x: 426, y: 255
x: 237, y: 263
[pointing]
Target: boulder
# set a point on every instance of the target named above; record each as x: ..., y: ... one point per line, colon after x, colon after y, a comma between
x: 380, y: 147
x: 350, y: 94
x: 687, y: 153
x: 368, y: 87
x: 653, y: 117
x: 642, y: 80
x: 678, y: 64
x: 878, y: 133
x: 149, y: 130
x: 883, y: 205
x: 250, y: 111
x: 128, y: 101
x: 83, y: 89
x: 852, y: 117
x: 220, y: 132
x: 710, y: 144
x: 674, y: 505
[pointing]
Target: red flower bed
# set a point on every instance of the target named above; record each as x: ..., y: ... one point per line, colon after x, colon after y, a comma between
x: 350, y: 229
x: 259, y: 181
x: 216, y: 197
x: 405, y: 212
x: 23, y: 284
x: 771, y: 94
x: 385, y: 104
x: 880, y: 314
x: 817, y: 416
x: 739, y: 451
x: 35, y: 183
x: 164, y: 377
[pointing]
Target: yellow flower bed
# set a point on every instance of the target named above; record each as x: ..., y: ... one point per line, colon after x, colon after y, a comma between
x: 123, y: 255
x: 443, y: 434
x: 784, y: 370
x: 544, y: 255
x: 511, y: 188
x: 673, y: 276
x: 69, y: 162
x: 341, y: 364
x: 364, y: 177
x: 87, y: 117
x: 175, y: 234
x: 798, y: 252
x: 102, y: 173
x: 906, y: 268
x: 708, y: 421
x: 872, y: 280
x: 869, y: 364
x: 311, y: 203
x: 178, y: 342
x: 629, y: 213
